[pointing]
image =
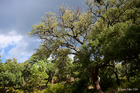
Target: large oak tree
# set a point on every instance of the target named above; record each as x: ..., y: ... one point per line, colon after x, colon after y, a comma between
x: 88, y: 35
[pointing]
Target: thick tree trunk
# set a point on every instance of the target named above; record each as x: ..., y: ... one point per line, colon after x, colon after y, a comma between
x: 114, y: 70
x: 95, y: 80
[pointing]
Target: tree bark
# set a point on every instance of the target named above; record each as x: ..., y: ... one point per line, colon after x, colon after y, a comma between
x: 49, y: 79
x: 95, y: 80
x: 4, y: 88
x: 52, y: 81
x: 114, y: 70
x: 138, y: 63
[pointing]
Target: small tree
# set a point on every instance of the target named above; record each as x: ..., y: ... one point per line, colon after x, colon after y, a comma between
x: 38, y: 73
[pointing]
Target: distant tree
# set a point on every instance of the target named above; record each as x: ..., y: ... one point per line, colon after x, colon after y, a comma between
x: 11, y: 74
x: 0, y: 59
x: 26, y: 73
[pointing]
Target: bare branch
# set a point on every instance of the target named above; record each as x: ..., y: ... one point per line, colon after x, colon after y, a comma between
x: 70, y: 46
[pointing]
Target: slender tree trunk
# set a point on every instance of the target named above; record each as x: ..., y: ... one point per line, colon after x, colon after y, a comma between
x: 49, y: 78
x: 138, y: 64
x: 57, y: 80
x: 114, y: 70
x: 52, y: 81
x: 40, y: 87
x: 95, y: 80
x: 126, y: 70
x: 52, y: 75
x: 4, y: 88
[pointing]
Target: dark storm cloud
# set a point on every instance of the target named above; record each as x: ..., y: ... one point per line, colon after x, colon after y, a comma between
x: 22, y: 14
x: 31, y: 12
x: 7, y: 14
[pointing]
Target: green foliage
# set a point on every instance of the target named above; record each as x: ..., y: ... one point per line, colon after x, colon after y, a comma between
x: 38, y: 73
x: 40, y: 54
x: 0, y: 59
x: 16, y: 91
x: 11, y: 75
x: 121, y: 70
x: 11, y: 90
x: 134, y: 85
x: 80, y: 86
x: 114, y: 36
x: 65, y: 30
x: 108, y: 35
x: 106, y: 77
x: 58, y: 88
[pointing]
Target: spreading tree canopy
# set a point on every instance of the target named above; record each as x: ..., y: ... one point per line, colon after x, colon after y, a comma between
x: 95, y: 37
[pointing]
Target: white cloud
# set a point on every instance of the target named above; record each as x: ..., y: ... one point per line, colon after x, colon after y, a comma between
x: 22, y: 17
x: 23, y: 59
x: 2, y: 52
x: 9, y: 39
x: 18, y: 51
x: 23, y: 46
x: 12, y: 32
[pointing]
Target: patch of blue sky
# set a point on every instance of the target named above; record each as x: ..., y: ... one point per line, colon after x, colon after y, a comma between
x: 23, y: 59
x: 6, y: 50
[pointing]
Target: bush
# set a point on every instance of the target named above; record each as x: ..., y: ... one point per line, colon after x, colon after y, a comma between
x: 107, y: 82
x: 58, y: 88
x: 16, y: 91
x: 80, y: 86
x: 11, y: 90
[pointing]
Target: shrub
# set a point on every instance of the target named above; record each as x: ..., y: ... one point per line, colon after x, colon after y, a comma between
x: 11, y: 90
x: 58, y: 88
x: 16, y: 91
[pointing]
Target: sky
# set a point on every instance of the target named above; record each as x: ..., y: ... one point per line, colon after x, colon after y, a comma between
x: 17, y: 18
